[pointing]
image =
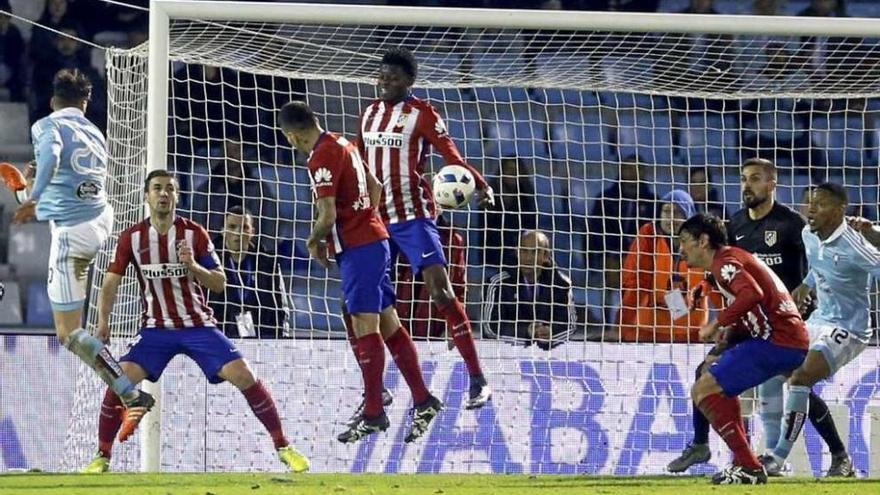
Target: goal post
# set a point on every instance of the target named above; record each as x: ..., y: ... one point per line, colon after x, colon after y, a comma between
x: 570, y: 95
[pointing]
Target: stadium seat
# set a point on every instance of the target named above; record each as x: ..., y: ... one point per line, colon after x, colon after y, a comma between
x: 634, y: 101
x: 15, y: 132
x: 581, y: 137
x: 646, y: 134
x: 39, y: 309
x: 494, y: 66
x: 29, y: 248
x: 10, y: 305
x: 708, y: 139
x: 439, y: 66
x: 839, y: 141
x: 502, y: 95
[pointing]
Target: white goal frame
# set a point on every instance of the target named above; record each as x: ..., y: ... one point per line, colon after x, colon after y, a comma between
x: 162, y: 12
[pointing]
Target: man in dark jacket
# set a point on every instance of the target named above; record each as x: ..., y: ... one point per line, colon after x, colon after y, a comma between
x: 533, y: 302
x: 255, y: 302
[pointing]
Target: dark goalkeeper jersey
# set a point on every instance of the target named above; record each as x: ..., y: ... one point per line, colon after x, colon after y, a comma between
x: 775, y: 240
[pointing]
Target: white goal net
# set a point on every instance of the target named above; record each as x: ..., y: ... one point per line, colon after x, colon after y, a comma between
x: 580, y: 132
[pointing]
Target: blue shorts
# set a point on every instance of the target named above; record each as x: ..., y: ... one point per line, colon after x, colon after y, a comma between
x: 419, y: 241
x: 753, y: 362
x: 366, y: 285
x: 153, y: 349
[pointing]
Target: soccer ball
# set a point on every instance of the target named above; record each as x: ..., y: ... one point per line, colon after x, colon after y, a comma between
x: 453, y: 186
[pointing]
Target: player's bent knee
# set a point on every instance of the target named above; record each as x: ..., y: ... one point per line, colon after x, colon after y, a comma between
x: 133, y: 371
x: 705, y: 386
x: 239, y: 374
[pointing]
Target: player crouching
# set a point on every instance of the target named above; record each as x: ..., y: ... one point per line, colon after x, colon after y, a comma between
x: 763, y: 327
x: 174, y: 259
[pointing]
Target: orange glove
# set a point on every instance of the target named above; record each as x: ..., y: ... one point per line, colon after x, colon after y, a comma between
x: 14, y: 180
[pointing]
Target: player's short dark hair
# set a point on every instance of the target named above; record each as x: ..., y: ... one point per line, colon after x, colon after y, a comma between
x: 71, y: 86
x: 836, y: 191
x: 157, y: 173
x: 706, y: 223
x: 297, y: 115
x: 766, y: 165
x: 403, y: 58
x: 239, y: 210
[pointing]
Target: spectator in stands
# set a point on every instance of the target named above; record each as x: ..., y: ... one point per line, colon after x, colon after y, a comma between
x: 825, y: 8
x: 701, y: 187
x: 700, y: 7
x: 57, y: 15
x: 620, y: 210
x: 830, y: 58
x: 234, y: 181
x: 138, y: 35
x: 657, y: 282
x: 255, y: 302
x: 767, y: 7
x: 211, y: 104
x: 413, y: 298
x: 515, y: 210
x: 531, y: 303
x: 68, y: 53
x: 109, y: 17
x: 12, y: 48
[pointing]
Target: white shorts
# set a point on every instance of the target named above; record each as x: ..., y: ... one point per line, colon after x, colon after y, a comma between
x: 73, y: 249
x: 838, y: 345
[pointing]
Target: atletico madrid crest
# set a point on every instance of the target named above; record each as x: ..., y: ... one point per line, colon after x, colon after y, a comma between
x: 770, y: 237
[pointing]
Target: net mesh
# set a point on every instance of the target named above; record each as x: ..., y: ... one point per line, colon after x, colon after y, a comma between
x: 552, y: 119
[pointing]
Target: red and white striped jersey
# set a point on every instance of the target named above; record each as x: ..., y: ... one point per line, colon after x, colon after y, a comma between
x: 759, y: 305
x: 337, y: 171
x: 172, y: 298
x: 394, y: 140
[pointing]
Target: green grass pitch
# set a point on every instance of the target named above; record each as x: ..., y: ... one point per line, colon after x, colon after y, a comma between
x: 403, y: 484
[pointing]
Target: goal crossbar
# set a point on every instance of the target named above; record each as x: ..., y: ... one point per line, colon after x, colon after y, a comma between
x: 517, y: 19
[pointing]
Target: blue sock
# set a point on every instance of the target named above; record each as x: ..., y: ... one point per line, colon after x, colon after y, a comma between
x: 770, y: 395
x: 701, y: 426
x: 793, y: 421
x: 93, y: 352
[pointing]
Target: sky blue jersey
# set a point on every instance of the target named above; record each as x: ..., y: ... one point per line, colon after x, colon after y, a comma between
x: 71, y: 175
x: 840, y: 270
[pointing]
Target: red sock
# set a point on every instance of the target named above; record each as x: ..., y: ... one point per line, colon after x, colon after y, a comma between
x: 404, y: 353
x: 263, y: 406
x: 109, y: 422
x: 352, y: 338
x: 459, y: 325
x: 371, y: 356
x: 725, y: 415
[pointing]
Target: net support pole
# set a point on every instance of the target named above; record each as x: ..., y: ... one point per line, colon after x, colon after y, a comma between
x: 157, y: 151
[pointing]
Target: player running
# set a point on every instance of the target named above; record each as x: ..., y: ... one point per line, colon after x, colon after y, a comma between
x: 842, y: 263
x: 762, y: 327
x: 173, y: 259
x: 345, y: 192
x: 68, y: 192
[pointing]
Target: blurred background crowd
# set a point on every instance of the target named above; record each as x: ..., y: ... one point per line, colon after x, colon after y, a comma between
x: 590, y: 179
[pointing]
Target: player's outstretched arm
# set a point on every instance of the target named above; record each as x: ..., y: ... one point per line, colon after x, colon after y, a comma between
x: 866, y: 228
x: 434, y: 129
x: 105, y: 304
